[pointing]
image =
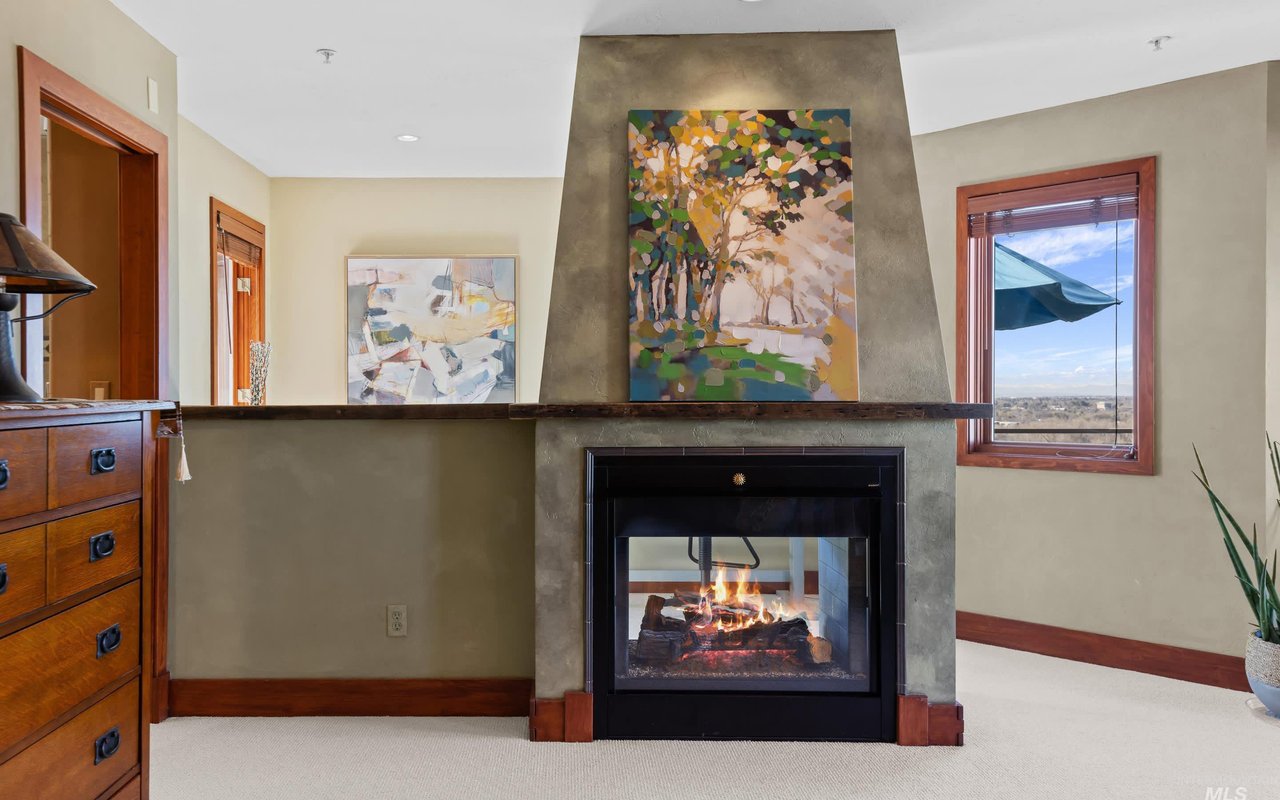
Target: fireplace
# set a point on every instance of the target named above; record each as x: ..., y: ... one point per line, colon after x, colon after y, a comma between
x: 744, y: 593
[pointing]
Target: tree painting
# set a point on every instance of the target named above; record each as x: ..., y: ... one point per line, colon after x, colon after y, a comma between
x: 741, y: 256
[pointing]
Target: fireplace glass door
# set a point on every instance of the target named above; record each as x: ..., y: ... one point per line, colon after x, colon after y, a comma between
x: 741, y: 594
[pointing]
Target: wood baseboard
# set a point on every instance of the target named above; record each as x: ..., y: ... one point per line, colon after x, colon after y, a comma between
x: 344, y: 697
x: 562, y: 720
x: 922, y: 723
x: 1181, y: 663
x: 160, y: 697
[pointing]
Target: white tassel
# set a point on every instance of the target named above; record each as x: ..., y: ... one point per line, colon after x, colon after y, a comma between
x: 184, y: 473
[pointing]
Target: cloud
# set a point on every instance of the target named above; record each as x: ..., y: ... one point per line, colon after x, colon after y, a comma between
x: 1058, y: 246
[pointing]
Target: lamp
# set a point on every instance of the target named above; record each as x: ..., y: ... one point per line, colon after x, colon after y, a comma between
x: 28, y: 266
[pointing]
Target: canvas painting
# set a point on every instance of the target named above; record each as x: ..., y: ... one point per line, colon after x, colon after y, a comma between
x: 741, y: 256
x: 431, y: 330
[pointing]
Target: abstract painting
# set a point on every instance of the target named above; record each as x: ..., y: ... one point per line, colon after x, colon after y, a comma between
x: 431, y: 330
x: 741, y: 256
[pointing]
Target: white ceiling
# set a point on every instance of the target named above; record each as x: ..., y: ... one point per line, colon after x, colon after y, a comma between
x: 487, y: 84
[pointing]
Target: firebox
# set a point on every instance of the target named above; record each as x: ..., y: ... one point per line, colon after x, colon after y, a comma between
x: 746, y: 593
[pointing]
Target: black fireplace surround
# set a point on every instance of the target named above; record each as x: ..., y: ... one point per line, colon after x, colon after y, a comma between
x: 744, y: 593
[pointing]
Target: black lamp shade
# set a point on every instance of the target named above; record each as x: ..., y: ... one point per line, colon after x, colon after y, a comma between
x: 28, y: 265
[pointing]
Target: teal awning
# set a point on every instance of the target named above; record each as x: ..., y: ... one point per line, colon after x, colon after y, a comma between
x: 1029, y: 293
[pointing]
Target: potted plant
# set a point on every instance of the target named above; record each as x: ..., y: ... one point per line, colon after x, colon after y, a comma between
x: 1257, y: 578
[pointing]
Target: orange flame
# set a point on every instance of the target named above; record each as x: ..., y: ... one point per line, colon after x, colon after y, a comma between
x: 722, y: 609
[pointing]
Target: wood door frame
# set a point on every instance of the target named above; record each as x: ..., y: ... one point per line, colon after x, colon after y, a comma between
x: 144, y: 277
x: 216, y: 357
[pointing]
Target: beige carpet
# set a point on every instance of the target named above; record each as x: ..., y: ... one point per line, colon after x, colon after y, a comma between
x: 1036, y: 728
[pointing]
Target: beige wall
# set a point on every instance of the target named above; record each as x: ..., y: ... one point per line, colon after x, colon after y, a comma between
x: 97, y: 44
x: 295, y: 536
x: 84, y: 220
x: 1136, y: 557
x: 207, y: 169
x: 316, y: 223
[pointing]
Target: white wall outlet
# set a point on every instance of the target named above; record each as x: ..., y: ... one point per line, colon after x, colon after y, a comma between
x: 397, y: 620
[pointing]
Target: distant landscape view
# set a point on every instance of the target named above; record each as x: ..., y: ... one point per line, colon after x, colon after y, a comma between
x: 1014, y: 414
x: 1068, y: 376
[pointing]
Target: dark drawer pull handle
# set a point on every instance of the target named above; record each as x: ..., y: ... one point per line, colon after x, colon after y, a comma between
x: 4, y: 578
x: 102, y: 459
x: 107, y: 745
x: 109, y: 641
x: 4, y: 473
x: 102, y: 545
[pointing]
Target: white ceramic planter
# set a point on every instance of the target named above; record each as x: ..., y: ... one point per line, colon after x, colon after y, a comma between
x: 1262, y: 667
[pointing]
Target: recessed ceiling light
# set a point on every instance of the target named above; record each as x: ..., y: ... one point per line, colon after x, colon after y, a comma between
x: 406, y: 137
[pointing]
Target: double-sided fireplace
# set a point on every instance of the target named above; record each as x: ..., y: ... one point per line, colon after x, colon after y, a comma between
x: 744, y: 593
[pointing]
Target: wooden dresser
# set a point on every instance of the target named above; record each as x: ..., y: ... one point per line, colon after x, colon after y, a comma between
x: 77, y: 519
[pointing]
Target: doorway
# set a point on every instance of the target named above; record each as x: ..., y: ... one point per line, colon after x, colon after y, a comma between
x: 238, y: 291
x: 50, y: 97
x: 81, y: 185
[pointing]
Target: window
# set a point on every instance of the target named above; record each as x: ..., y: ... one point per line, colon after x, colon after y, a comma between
x: 1055, y: 320
x: 238, y: 294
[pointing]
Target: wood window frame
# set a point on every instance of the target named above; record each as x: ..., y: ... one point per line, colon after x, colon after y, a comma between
x: 975, y: 445
x: 217, y: 308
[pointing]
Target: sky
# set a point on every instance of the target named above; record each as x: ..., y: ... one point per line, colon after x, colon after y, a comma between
x: 1073, y: 358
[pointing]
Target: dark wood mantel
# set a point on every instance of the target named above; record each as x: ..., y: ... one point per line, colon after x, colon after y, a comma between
x: 885, y: 412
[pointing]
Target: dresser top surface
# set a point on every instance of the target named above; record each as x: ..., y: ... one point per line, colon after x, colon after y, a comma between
x: 63, y: 408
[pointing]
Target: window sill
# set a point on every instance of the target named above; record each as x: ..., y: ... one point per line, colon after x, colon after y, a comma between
x: 1088, y: 460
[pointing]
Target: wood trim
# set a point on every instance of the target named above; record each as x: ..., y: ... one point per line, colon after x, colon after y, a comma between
x: 946, y: 724
x: 974, y: 309
x: 913, y: 720
x: 144, y: 213
x: 217, y: 358
x: 156, y: 483
x: 890, y: 412
x: 341, y: 697
x: 1180, y: 663
x: 578, y: 719
x: 921, y: 723
x: 546, y: 719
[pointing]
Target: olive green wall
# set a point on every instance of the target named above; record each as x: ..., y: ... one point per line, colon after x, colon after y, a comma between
x: 1137, y: 557
x: 295, y: 536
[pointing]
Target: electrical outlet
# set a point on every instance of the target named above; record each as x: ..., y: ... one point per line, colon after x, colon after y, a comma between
x: 397, y: 620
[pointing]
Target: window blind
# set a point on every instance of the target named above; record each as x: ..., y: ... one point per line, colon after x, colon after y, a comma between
x: 1079, y: 203
x: 239, y: 242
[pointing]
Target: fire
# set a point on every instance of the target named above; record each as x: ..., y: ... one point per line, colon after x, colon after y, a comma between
x: 722, y: 609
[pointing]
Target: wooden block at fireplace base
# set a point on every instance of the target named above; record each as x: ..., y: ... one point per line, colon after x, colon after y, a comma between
x: 578, y: 717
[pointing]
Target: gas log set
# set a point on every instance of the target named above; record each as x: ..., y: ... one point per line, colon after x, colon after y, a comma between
x: 721, y: 630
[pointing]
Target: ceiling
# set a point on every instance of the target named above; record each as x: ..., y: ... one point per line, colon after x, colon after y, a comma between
x: 488, y: 84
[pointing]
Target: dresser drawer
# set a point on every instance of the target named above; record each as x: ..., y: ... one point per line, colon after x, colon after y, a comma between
x: 21, y: 572
x: 88, y: 549
x: 23, y: 472
x: 83, y: 758
x: 90, y: 461
x: 46, y: 669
